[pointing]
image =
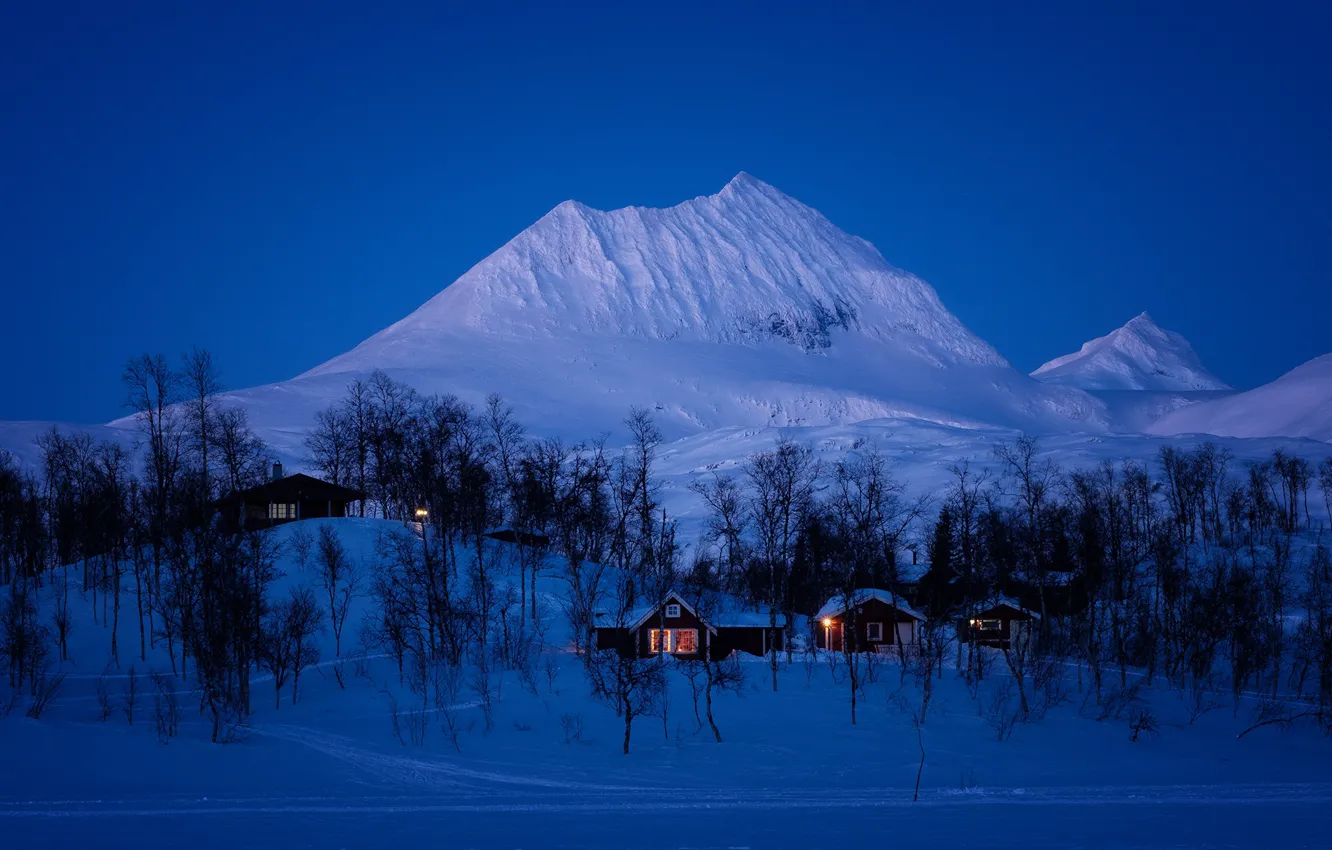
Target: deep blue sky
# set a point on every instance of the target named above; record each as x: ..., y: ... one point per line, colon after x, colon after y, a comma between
x: 278, y: 185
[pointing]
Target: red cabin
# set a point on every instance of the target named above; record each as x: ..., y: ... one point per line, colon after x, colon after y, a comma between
x: 875, y: 619
x: 674, y: 626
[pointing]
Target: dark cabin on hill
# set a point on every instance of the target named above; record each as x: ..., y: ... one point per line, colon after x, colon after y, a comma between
x: 996, y: 624
x: 872, y: 619
x: 286, y: 498
x: 674, y: 626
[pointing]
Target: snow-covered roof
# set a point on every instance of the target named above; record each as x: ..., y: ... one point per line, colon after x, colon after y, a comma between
x: 911, y: 572
x: 1009, y: 602
x: 730, y: 613
x: 838, y: 604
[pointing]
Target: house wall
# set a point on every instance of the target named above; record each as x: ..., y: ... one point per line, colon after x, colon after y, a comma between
x: 1011, y: 623
x: 896, y: 627
x: 616, y: 639
x: 755, y: 640
x: 659, y: 620
x: 750, y: 639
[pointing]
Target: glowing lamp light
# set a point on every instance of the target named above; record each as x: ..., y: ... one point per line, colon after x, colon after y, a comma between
x: 422, y: 513
x: 827, y: 621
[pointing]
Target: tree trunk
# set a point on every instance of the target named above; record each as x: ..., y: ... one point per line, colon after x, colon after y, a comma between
x: 708, y: 699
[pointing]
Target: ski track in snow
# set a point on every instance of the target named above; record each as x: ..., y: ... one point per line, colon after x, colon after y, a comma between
x: 627, y: 799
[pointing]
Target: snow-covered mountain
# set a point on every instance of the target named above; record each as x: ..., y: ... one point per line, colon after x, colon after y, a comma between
x: 1298, y: 404
x: 741, y: 308
x: 1141, y: 355
x: 747, y: 265
x: 726, y: 314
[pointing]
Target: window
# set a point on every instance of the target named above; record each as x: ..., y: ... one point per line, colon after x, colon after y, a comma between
x: 986, y: 625
x: 672, y: 611
x: 282, y: 510
x: 874, y: 631
x: 659, y: 640
x: 673, y: 640
x: 686, y: 640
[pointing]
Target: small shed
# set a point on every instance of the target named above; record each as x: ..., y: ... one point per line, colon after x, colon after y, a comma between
x: 287, y: 499
x: 674, y: 626
x: 996, y: 624
x: 871, y: 619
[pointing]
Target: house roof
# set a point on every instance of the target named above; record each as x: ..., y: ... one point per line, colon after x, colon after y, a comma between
x: 298, y: 487
x: 838, y: 604
x: 996, y: 603
x: 730, y: 615
x: 909, y: 572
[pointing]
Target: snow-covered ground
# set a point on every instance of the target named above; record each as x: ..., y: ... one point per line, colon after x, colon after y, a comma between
x: 792, y: 771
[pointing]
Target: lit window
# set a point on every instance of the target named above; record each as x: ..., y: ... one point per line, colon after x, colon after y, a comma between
x: 686, y: 641
x: 659, y: 640
x: 282, y: 510
x: 874, y: 631
x: 986, y: 625
x: 672, y: 611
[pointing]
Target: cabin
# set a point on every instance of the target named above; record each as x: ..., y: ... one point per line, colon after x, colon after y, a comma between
x: 674, y: 626
x: 286, y: 499
x: 997, y: 624
x: 908, y: 573
x: 881, y: 619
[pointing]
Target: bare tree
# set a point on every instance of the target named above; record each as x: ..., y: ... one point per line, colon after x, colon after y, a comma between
x: 241, y: 454
x: 201, y: 382
x: 781, y: 486
x: 288, y: 628
x: 1325, y: 484
x: 337, y: 577
x: 303, y: 626
x: 726, y: 525
x: 1031, y: 481
x: 331, y: 444
x: 631, y: 685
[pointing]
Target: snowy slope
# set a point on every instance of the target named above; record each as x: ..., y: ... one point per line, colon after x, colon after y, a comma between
x: 1298, y: 404
x: 740, y: 308
x: 329, y: 770
x: 1141, y: 355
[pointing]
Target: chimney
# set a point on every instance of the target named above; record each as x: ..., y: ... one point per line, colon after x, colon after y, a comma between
x: 277, y: 470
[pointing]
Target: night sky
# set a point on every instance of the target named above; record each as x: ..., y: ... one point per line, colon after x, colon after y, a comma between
x: 279, y: 185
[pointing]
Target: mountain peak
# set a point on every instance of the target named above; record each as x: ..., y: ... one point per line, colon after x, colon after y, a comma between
x: 748, y: 265
x: 741, y: 179
x: 1141, y: 355
x: 747, y: 188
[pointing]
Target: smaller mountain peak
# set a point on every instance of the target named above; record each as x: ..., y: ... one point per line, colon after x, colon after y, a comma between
x: 1140, y: 355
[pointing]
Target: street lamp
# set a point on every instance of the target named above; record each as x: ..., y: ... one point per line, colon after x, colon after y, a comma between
x: 422, y: 514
